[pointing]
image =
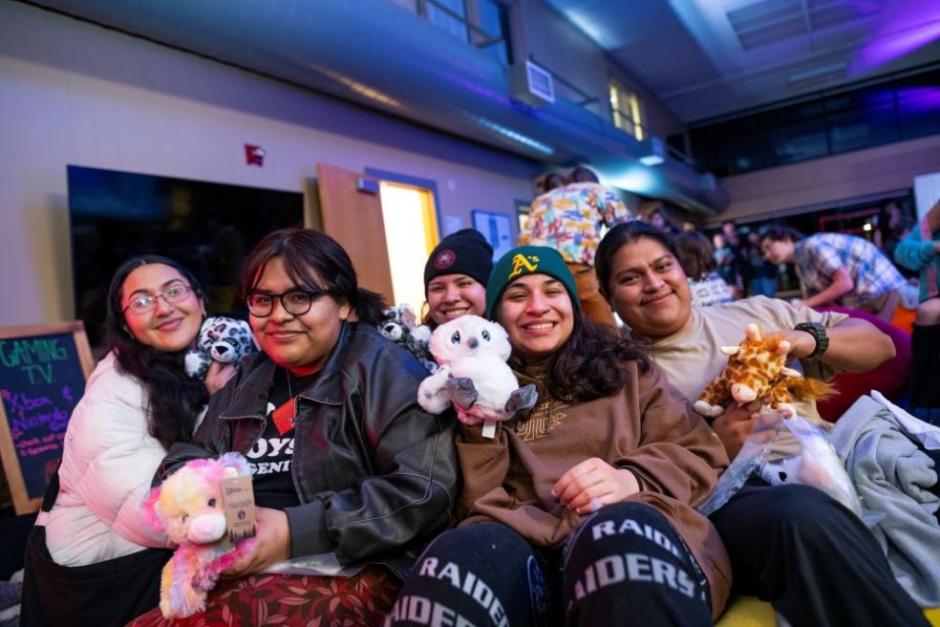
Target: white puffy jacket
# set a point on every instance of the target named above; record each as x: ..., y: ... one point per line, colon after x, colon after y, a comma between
x: 107, y: 466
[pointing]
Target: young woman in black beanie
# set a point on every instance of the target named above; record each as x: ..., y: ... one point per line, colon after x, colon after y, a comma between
x: 455, y: 277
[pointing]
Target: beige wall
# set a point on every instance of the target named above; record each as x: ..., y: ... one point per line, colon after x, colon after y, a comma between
x: 74, y: 93
x: 851, y: 175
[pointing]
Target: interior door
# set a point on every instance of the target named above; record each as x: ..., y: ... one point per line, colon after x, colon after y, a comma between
x: 351, y: 213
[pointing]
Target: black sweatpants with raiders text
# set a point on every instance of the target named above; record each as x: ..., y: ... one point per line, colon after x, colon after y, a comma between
x: 625, y: 565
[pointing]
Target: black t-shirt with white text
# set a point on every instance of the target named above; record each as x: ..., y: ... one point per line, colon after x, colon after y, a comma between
x: 271, y: 455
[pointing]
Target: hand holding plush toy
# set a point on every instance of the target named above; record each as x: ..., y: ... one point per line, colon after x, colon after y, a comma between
x: 473, y: 374
x: 188, y: 507
x: 756, y: 369
x: 221, y: 339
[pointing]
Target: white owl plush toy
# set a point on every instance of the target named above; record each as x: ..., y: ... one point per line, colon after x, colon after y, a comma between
x: 473, y: 373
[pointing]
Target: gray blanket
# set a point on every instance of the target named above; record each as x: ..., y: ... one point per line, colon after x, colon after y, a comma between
x: 883, y: 450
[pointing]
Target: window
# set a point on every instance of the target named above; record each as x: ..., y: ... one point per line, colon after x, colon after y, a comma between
x: 483, y: 23
x: 449, y: 15
x: 864, y: 116
x: 626, y: 110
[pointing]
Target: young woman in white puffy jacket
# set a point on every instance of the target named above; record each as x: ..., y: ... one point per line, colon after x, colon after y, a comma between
x: 137, y: 402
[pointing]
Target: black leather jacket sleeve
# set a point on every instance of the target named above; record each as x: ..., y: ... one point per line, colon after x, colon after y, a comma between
x: 410, y: 490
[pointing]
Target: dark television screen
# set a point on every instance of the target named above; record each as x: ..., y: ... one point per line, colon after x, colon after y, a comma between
x: 207, y: 227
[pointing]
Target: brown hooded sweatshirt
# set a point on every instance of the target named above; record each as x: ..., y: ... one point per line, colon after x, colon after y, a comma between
x: 647, y: 427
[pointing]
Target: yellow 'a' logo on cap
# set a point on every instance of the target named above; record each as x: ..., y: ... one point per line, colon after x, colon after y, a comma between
x: 520, y: 263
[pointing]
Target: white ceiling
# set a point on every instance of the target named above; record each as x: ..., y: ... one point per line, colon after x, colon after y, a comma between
x: 709, y: 58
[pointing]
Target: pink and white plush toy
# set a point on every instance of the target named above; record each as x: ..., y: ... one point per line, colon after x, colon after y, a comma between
x: 473, y: 375
x: 188, y: 507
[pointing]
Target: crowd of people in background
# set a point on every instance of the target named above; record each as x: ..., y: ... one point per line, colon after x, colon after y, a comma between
x: 586, y: 509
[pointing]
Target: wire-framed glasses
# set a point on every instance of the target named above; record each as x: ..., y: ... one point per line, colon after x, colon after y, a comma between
x: 145, y: 303
x: 294, y: 302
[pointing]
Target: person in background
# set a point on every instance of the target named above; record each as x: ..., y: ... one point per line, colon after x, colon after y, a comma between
x: 725, y: 263
x: 582, y: 511
x: 549, y: 181
x: 920, y: 251
x: 892, y: 227
x: 455, y: 277
x: 761, y: 274
x: 660, y: 220
x: 344, y: 460
x: 91, y: 559
x: 836, y: 269
x: 792, y: 544
x: 572, y: 220
x: 698, y: 261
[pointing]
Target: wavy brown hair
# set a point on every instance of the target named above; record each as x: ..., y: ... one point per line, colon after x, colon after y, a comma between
x: 173, y: 398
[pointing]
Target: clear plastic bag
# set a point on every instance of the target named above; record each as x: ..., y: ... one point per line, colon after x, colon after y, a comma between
x: 815, y: 464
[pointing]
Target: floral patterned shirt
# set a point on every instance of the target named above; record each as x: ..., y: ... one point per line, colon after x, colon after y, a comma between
x: 573, y: 219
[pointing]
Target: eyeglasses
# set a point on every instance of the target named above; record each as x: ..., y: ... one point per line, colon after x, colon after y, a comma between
x: 294, y: 302
x: 145, y: 303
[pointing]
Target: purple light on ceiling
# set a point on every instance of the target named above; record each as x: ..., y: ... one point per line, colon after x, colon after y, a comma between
x: 919, y: 99
x: 919, y: 26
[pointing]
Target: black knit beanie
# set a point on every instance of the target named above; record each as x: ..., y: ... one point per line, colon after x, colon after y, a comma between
x: 462, y: 252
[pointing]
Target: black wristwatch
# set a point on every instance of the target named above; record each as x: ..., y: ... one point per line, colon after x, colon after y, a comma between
x: 818, y: 332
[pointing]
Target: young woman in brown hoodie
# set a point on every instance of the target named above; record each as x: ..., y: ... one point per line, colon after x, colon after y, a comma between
x: 581, y: 512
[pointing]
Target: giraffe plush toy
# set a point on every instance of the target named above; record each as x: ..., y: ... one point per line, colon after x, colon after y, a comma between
x: 756, y: 369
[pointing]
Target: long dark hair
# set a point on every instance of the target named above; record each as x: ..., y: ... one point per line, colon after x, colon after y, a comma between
x: 592, y: 363
x: 173, y: 398
x: 308, y: 254
x: 619, y: 236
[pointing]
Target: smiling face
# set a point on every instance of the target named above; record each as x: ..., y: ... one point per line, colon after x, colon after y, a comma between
x: 453, y: 295
x: 169, y: 327
x: 537, y: 313
x: 648, y: 289
x: 300, y: 343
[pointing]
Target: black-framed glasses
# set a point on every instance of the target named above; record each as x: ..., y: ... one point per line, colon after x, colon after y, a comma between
x: 145, y: 303
x: 294, y: 302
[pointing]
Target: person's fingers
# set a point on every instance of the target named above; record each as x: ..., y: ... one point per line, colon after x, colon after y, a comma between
x: 583, y: 499
x: 239, y: 568
x: 616, y: 485
x: 579, y: 478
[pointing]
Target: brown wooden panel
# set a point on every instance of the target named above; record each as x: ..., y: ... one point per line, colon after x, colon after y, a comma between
x: 354, y: 219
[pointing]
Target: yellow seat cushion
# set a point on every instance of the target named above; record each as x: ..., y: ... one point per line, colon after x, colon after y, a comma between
x: 933, y: 616
x: 752, y: 612
x: 748, y: 612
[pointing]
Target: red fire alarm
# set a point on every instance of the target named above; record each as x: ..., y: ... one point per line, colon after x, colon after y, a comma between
x: 254, y: 155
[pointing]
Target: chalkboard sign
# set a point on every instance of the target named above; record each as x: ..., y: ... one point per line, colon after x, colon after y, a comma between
x: 42, y: 375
